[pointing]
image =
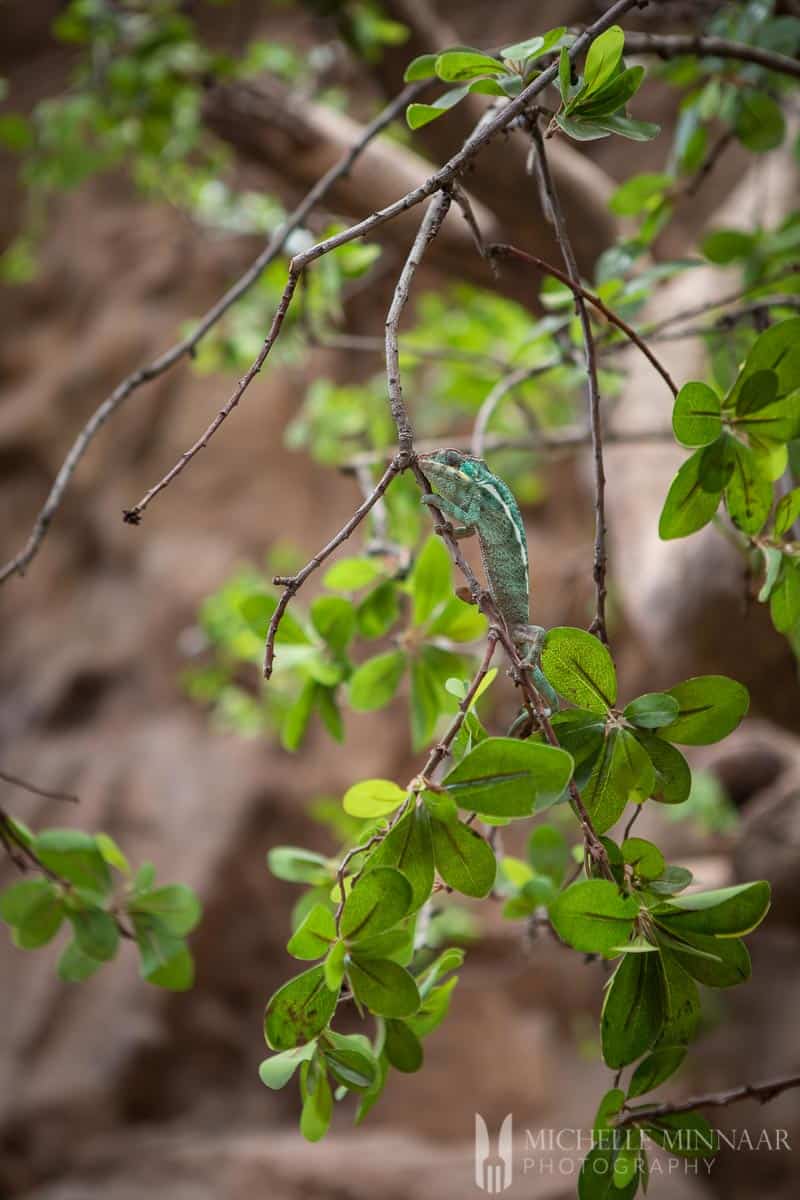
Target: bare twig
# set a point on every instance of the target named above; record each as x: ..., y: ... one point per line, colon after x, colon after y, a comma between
x: 431, y: 224
x: 676, y: 45
x: 746, y: 1091
x: 441, y: 179
x: 553, y: 208
x: 699, y: 310
x: 15, y: 781
x: 580, y: 292
x: 291, y: 584
x: 501, y: 389
x: 187, y: 346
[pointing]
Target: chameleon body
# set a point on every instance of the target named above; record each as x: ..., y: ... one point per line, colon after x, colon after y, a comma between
x: 468, y: 492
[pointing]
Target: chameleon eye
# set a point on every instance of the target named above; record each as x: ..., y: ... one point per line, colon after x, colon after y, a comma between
x: 452, y: 458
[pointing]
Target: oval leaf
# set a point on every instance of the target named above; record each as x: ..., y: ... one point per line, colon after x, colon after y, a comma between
x: 580, y: 668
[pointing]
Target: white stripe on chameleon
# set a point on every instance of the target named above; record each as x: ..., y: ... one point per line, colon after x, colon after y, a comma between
x: 518, y: 533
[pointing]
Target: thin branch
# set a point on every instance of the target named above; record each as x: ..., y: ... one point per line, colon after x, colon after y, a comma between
x: 431, y: 224
x: 580, y: 292
x: 553, y: 208
x: 186, y: 346
x: 699, y: 310
x: 676, y: 45
x: 375, y: 345
x: 746, y: 1091
x: 441, y: 179
x: 501, y: 389
x: 15, y: 781
x: 291, y: 584
x: 730, y: 320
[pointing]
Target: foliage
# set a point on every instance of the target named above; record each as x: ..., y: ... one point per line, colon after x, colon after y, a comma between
x: 375, y: 923
x: 77, y: 885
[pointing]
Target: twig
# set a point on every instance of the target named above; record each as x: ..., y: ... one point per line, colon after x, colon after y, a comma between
x: 746, y: 1091
x: 187, y: 346
x: 483, y: 133
x: 676, y: 45
x: 729, y: 320
x: 501, y: 249
x: 709, y: 162
x: 699, y: 310
x: 15, y: 781
x: 637, y: 809
x: 376, y: 345
x: 501, y: 389
x: 292, y: 583
x: 553, y: 207
x: 431, y: 224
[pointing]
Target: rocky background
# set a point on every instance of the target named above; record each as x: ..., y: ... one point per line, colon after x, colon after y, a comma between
x: 114, y: 1089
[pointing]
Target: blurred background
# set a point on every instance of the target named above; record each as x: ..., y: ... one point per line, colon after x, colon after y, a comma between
x: 118, y: 686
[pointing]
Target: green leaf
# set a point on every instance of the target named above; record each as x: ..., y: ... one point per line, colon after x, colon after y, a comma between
x: 383, y: 987
x: 778, y: 350
x: 787, y: 512
x: 96, y: 933
x: 430, y: 581
x: 760, y: 125
x: 505, y: 777
x: 749, y: 493
x: 725, y: 246
x: 378, y: 611
x: 374, y: 683
x: 296, y: 865
x: 373, y: 798
x: 548, y: 852
x: 695, y: 492
x: 34, y: 909
x: 596, y: 1179
x: 334, y: 966
x: 784, y: 603
x: 112, y: 853
x: 459, y: 622
x: 421, y: 67
x: 377, y: 901
x: 640, y: 193
x: 609, y: 99
x: 696, y: 417
x: 407, y: 847
x: 593, y: 917
x: 671, y: 880
x: 727, y: 912
x: 256, y: 611
x: 602, y: 59
x: 426, y: 700
x: 646, y: 859
x: 457, y: 66
x: 580, y: 668
x: 74, y: 856
x: 299, y: 1010
x: 176, y: 975
x: 728, y: 965
x: 352, y: 574
x: 334, y: 619
x: 633, y: 1009
x: 418, y: 115
x: 349, y: 1059
x: 655, y: 1069
x: 463, y: 859
x: 673, y: 781
x: 681, y: 1003
x: 176, y: 906
x: 581, y: 734
x: 684, y: 1133
x: 317, y: 1111
x: 652, y: 710
x: 402, y: 1047
x: 711, y: 706
x: 74, y: 966
x: 315, y: 935
x: 773, y: 561
x: 609, y: 1107
x: 275, y: 1072
x: 297, y: 717
x: 623, y: 772
x: 564, y: 74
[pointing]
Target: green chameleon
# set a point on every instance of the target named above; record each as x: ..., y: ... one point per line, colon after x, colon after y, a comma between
x: 468, y: 492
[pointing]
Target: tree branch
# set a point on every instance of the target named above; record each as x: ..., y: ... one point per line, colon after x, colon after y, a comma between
x: 746, y: 1091
x: 441, y: 179
x: 671, y: 45
x: 187, y: 346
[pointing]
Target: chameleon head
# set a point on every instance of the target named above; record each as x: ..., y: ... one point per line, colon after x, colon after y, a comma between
x: 450, y: 470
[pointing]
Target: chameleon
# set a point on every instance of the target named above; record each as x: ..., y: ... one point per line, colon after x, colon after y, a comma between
x: 468, y: 492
